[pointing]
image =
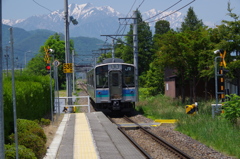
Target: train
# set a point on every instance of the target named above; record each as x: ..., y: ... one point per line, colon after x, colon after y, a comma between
x: 111, y: 85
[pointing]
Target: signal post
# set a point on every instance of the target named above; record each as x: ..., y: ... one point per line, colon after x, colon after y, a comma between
x: 219, y: 80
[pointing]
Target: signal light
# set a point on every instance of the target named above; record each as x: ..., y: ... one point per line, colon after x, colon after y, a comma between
x: 48, y: 67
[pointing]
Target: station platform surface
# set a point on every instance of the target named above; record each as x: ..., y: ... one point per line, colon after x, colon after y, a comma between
x: 90, y: 136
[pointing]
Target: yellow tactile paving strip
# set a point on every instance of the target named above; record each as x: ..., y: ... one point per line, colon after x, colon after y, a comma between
x: 84, y: 147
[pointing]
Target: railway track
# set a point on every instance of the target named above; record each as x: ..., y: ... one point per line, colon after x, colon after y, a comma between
x: 166, y: 149
x: 83, y: 86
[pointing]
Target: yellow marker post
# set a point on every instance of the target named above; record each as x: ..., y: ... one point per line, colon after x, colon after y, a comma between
x: 68, y: 67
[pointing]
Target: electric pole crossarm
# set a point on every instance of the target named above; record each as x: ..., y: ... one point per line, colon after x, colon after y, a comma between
x: 127, y: 18
x: 119, y: 35
x: 119, y: 39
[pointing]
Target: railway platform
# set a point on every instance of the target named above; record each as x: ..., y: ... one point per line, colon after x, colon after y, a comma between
x: 90, y: 136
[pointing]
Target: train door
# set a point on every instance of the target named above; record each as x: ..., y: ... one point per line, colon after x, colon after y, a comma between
x: 115, y: 85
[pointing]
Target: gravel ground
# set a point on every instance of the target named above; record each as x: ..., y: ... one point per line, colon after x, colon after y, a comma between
x: 185, y: 143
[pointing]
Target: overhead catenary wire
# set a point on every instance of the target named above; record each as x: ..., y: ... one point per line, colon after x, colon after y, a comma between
x: 140, y: 5
x: 42, y: 6
x: 122, y: 30
x: 163, y: 10
x: 172, y: 12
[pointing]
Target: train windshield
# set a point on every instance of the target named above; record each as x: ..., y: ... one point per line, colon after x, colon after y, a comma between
x: 128, y: 76
x: 102, y: 77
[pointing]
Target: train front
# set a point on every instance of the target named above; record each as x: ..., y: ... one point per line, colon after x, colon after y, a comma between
x: 115, y: 86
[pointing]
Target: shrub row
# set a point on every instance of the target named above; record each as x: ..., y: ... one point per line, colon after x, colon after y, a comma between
x: 33, y: 100
x: 31, y: 140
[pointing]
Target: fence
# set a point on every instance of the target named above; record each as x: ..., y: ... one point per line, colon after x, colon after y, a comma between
x: 62, y: 102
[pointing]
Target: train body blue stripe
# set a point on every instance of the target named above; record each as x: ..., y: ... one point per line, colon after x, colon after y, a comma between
x: 125, y: 93
x: 128, y: 92
x: 102, y: 93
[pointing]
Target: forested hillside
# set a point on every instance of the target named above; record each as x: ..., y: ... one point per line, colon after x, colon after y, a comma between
x: 31, y: 41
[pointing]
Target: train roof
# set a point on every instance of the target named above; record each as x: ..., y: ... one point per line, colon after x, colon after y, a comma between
x: 113, y: 60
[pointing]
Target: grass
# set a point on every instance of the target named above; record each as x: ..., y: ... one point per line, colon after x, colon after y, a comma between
x: 217, y: 133
x: 62, y: 93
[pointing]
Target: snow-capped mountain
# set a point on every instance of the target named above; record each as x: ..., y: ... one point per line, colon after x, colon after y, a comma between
x: 175, y: 18
x: 92, y: 21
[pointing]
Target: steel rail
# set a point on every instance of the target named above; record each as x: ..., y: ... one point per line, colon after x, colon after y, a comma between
x: 161, y: 141
x: 131, y: 140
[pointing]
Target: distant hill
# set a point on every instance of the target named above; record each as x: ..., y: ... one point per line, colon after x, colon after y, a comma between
x: 29, y: 42
x: 93, y: 21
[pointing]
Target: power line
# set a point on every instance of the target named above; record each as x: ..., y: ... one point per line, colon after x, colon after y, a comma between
x: 172, y: 12
x: 123, y: 29
x: 140, y: 5
x: 131, y: 7
x: 42, y: 6
x: 163, y: 11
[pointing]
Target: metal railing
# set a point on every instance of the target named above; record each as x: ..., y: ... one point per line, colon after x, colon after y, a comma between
x: 77, y: 97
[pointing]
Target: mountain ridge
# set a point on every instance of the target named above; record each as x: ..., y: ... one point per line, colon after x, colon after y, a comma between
x: 92, y: 20
x: 28, y: 43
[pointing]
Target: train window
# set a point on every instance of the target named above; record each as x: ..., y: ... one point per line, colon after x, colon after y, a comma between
x: 115, y: 79
x: 128, y: 76
x: 102, y: 77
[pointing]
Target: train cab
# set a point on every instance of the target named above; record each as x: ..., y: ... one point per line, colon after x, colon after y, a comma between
x: 114, y: 85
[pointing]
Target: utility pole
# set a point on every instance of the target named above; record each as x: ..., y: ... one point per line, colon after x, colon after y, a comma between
x: 135, y: 47
x: 6, y: 56
x: 67, y: 53
x: 26, y: 57
x: 14, y: 94
x: 135, y: 50
x: 73, y: 77
x: 2, y: 152
x: 113, y: 56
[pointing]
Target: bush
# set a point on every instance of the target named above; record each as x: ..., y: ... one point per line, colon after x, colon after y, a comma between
x: 232, y: 108
x: 45, y: 122
x: 32, y: 136
x: 28, y: 126
x: 31, y: 141
x: 23, y: 152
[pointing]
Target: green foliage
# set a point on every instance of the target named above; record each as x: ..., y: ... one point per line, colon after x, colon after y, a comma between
x: 231, y: 108
x: 37, y: 65
x: 155, y: 79
x: 32, y: 99
x: 23, y: 152
x: 32, y: 136
x: 159, y: 107
x: 145, y: 54
x: 31, y: 141
x: 162, y: 27
x: 191, y: 21
x: 28, y: 126
x: 229, y: 34
x: 217, y: 133
x: 44, y: 122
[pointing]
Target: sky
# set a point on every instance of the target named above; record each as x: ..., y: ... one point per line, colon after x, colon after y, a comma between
x: 208, y: 10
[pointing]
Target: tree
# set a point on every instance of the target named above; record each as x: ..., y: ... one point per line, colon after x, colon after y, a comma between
x: 37, y: 64
x: 155, y: 74
x: 155, y: 79
x: 229, y: 38
x: 187, y: 53
x: 162, y: 27
x: 144, y: 46
x: 191, y: 21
